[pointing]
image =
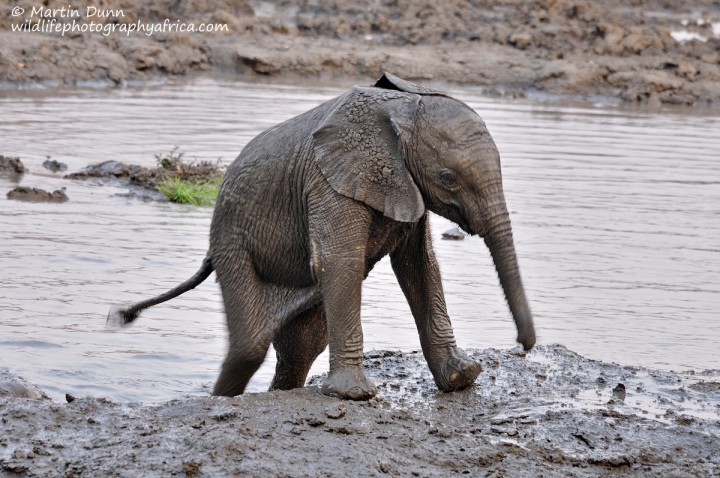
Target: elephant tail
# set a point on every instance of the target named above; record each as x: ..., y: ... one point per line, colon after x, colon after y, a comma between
x: 123, y: 316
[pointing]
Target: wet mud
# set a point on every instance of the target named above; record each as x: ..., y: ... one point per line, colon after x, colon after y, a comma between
x: 54, y: 165
x: 143, y: 180
x: 11, y: 166
x: 12, y: 386
x: 26, y: 193
x: 549, y: 412
x: 638, y: 51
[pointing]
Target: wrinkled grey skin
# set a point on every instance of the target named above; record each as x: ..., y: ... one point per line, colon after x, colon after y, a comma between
x: 311, y: 205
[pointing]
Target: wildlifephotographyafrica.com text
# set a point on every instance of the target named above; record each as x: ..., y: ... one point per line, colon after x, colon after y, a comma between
x: 91, y: 19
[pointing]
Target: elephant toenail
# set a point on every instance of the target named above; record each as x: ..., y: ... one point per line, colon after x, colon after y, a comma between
x: 454, y: 378
x: 471, y: 367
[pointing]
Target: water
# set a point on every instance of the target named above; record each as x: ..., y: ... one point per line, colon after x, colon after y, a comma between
x: 616, y: 215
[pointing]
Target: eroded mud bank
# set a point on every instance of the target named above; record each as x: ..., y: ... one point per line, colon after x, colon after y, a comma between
x: 640, y: 51
x: 551, y: 412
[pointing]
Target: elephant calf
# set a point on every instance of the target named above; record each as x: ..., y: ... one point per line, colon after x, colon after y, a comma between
x: 312, y: 204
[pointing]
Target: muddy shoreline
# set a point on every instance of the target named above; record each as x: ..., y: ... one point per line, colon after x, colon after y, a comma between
x: 549, y: 412
x: 640, y: 51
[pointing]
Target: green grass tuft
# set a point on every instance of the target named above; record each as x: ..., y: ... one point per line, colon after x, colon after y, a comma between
x: 197, y: 193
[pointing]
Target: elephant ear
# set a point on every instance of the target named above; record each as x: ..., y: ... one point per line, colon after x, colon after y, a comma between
x: 392, y: 82
x: 360, y: 149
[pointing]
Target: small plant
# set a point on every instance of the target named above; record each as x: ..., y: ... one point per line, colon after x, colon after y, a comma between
x: 197, y: 193
x: 188, y: 182
x: 172, y: 161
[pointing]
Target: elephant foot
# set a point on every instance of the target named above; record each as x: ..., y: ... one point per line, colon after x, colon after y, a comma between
x: 349, y: 384
x: 456, y: 371
x: 526, y: 337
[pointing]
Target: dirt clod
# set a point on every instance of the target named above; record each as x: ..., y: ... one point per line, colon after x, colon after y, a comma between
x: 25, y: 193
x: 336, y: 411
x: 11, y: 165
x: 618, y: 392
x: 191, y: 468
x: 54, y: 165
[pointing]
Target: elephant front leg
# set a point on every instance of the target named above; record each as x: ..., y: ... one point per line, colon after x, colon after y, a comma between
x: 419, y: 277
x: 341, y: 282
x: 338, y: 262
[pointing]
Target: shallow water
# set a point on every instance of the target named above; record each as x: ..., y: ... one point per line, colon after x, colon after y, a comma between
x: 616, y: 216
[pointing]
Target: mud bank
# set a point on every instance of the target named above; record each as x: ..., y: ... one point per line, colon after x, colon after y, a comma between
x: 639, y: 51
x: 143, y: 182
x: 25, y: 193
x: 550, y: 413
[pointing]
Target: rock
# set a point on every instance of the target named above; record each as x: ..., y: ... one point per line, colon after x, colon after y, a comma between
x: 191, y: 468
x: 17, y: 387
x: 653, y: 80
x: 107, y: 169
x: 673, y: 98
x: 257, y: 64
x: 706, y: 387
x: 454, y: 234
x: 521, y: 40
x: 385, y: 465
x: 54, y: 165
x: 25, y: 193
x: 336, y: 411
x: 11, y: 165
x: 619, y: 392
x: 314, y: 422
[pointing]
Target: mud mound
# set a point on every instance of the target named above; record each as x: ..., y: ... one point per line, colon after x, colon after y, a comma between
x: 550, y: 412
x: 12, y: 386
x: 150, y: 177
x: 25, y: 193
x: 54, y: 165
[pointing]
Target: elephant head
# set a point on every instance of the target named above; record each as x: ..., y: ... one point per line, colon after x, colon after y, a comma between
x: 403, y: 149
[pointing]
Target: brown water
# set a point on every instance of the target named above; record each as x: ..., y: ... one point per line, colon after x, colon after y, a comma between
x: 616, y: 215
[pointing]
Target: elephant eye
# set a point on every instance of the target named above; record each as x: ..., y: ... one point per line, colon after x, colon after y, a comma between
x: 448, y: 178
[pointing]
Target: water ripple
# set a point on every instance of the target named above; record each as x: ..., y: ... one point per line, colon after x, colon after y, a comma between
x: 616, y: 215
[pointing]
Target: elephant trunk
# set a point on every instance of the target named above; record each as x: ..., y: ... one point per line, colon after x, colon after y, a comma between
x: 499, y: 239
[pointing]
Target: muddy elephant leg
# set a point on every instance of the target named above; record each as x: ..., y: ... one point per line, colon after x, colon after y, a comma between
x: 339, y: 235
x: 419, y: 277
x: 255, y: 312
x: 297, y: 344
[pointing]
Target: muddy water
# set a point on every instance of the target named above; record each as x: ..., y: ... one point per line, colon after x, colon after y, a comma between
x: 616, y: 215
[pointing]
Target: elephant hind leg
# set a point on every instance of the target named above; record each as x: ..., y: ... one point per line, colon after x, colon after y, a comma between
x: 237, y: 369
x: 255, y: 312
x: 297, y: 344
